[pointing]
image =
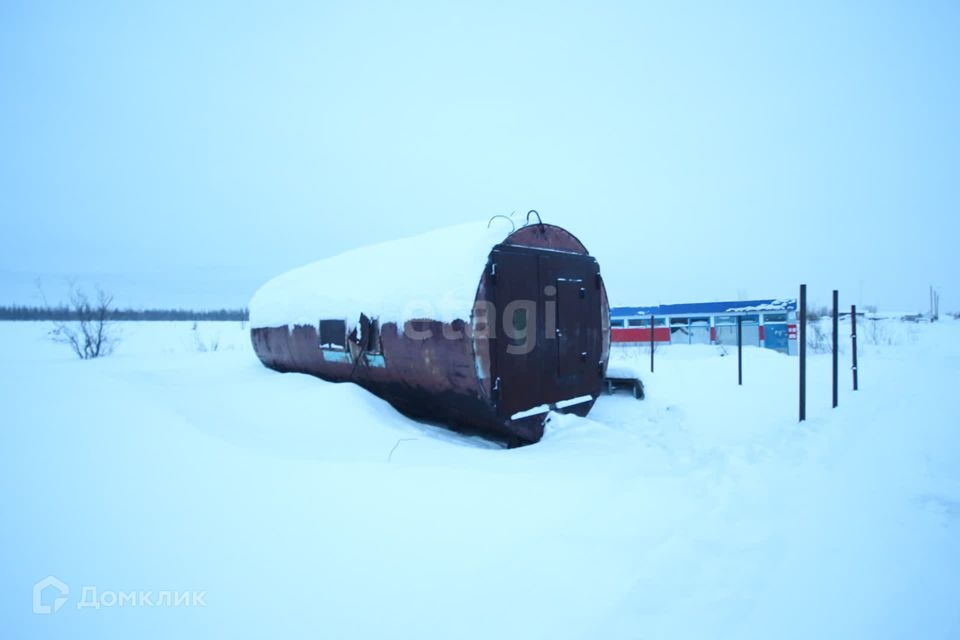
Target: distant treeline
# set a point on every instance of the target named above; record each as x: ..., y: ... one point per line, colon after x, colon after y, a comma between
x: 66, y: 314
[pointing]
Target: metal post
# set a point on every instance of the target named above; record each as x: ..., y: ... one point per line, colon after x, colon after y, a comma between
x: 803, y: 352
x: 651, y: 343
x: 740, y: 350
x: 853, y: 338
x: 836, y: 340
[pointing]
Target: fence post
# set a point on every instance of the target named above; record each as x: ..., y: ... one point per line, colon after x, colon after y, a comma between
x: 836, y: 340
x: 853, y: 338
x: 651, y: 343
x: 740, y: 350
x: 803, y: 352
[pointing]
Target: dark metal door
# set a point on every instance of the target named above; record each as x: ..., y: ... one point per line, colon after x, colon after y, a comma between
x: 571, y: 332
x: 518, y: 360
x: 548, y: 333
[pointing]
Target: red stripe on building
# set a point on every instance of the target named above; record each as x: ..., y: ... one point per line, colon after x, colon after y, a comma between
x: 636, y: 334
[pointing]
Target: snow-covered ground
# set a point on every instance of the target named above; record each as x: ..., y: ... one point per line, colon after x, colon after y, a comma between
x: 299, y: 508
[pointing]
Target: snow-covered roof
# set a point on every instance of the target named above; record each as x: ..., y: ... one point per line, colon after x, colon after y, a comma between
x: 433, y: 275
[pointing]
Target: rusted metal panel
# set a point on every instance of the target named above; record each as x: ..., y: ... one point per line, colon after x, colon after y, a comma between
x: 468, y: 373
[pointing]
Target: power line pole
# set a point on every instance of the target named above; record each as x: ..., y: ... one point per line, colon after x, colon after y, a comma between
x: 652, y: 345
x: 740, y: 350
x: 853, y: 338
x: 803, y: 352
x: 836, y: 341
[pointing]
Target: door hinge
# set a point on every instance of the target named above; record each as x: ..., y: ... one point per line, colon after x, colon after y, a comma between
x: 495, y: 393
x: 598, y: 279
x: 493, y: 273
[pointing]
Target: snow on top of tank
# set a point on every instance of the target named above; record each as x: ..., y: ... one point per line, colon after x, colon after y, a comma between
x: 433, y: 275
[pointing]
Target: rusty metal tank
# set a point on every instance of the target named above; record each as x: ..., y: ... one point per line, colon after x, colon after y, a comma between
x: 480, y: 327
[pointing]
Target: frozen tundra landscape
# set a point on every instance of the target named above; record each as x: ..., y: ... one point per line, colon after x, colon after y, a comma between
x: 300, y: 508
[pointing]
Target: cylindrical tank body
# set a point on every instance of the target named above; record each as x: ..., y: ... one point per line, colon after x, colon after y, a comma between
x: 483, y: 330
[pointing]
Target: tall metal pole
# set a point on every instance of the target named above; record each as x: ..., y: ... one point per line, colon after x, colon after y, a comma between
x: 740, y: 350
x: 803, y: 352
x: 836, y: 340
x: 853, y: 338
x: 651, y: 342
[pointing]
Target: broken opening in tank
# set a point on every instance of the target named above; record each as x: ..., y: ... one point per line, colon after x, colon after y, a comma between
x: 370, y: 334
x: 364, y: 344
x: 333, y: 335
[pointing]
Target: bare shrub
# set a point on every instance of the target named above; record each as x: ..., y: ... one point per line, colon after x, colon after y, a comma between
x: 204, y: 345
x: 818, y: 340
x: 815, y: 313
x: 878, y: 333
x: 89, y: 332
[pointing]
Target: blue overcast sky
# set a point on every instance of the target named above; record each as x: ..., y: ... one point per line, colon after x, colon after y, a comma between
x: 183, y: 152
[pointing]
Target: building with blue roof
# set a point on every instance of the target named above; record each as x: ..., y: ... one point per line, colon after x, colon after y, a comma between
x: 765, y: 323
